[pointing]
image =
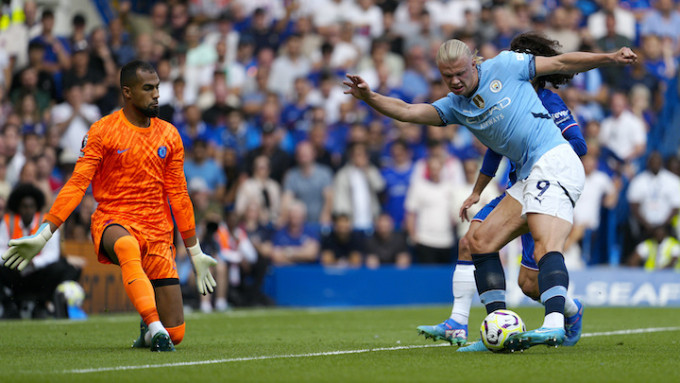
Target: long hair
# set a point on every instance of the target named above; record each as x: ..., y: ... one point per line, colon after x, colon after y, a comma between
x: 539, y: 45
x: 452, y: 50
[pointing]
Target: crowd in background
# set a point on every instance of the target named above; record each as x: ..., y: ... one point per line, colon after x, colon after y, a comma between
x: 283, y: 168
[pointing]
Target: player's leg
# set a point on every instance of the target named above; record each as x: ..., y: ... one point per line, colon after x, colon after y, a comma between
x: 455, y: 328
x: 528, y: 282
x: 124, y: 249
x: 503, y: 224
x: 548, y: 197
x: 170, y: 309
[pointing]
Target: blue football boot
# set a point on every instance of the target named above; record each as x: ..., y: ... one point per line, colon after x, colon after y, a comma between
x: 477, y: 346
x: 449, y: 330
x: 524, y: 340
x: 140, y: 342
x: 573, y: 326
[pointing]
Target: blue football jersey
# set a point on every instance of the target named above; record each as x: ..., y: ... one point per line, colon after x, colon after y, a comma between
x: 505, y: 113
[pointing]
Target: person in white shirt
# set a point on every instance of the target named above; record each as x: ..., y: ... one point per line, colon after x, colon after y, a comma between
x: 73, y: 119
x: 654, y: 196
x: 624, y: 133
x: 429, y: 215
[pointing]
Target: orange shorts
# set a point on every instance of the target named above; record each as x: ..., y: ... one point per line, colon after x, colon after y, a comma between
x: 158, y: 257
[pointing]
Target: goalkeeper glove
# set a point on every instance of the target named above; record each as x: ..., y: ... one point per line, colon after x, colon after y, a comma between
x: 23, y: 249
x: 202, y: 263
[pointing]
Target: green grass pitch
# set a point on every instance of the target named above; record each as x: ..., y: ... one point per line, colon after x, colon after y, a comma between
x: 366, y: 345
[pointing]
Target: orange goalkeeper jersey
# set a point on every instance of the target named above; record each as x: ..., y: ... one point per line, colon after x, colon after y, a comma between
x: 134, y: 173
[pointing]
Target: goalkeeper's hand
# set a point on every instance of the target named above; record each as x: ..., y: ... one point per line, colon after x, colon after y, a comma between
x: 202, y: 263
x: 23, y: 249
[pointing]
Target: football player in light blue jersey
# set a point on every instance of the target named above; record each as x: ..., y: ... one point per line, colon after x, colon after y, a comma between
x: 497, y: 102
x: 454, y: 329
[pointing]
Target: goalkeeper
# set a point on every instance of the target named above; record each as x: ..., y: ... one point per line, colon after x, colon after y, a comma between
x: 135, y: 163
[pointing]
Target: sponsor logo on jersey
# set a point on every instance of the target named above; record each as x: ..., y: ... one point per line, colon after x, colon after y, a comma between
x: 478, y: 101
x: 502, y: 104
x: 162, y: 151
x: 82, y: 146
x: 496, y: 86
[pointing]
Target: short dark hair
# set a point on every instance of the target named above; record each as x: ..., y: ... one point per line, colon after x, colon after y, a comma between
x: 22, y: 191
x: 128, y: 74
x: 538, y: 45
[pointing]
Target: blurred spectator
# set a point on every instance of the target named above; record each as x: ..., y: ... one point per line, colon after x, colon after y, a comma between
x: 295, y: 242
x: 342, y: 246
x: 38, y: 281
x: 654, y: 197
x: 623, y: 133
x: 397, y: 175
x: 429, y: 215
x: 200, y: 165
x: 663, y: 21
x: 193, y: 128
x: 560, y: 30
x: 11, y: 137
x: 599, y: 191
x: 77, y: 226
x: 452, y: 168
x: 625, y: 20
x: 310, y: 183
x: 611, y: 42
x: 39, y: 81
x: 172, y: 110
x: 237, y: 133
x: 355, y: 190
x: 31, y: 119
x: 5, y: 186
x: 262, y: 191
x: 57, y: 55
x: 78, y: 38
x: 318, y: 137
x: 287, y: 67
x: 661, y: 251
x: 234, y: 72
x: 73, y: 118
x: 279, y: 160
x: 120, y: 43
x: 226, y: 35
x: 367, y: 19
x: 658, y: 58
x: 463, y: 191
x: 386, y: 246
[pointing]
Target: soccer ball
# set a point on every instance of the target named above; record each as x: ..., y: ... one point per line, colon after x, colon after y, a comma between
x: 73, y: 293
x: 498, y: 326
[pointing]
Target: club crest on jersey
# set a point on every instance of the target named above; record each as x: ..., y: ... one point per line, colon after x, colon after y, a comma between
x: 495, y: 86
x: 478, y: 101
x: 162, y: 152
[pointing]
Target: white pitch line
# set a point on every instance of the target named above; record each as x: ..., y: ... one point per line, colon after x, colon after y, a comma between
x: 330, y: 353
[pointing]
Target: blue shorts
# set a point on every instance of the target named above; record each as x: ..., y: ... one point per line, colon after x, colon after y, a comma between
x: 527, y: 240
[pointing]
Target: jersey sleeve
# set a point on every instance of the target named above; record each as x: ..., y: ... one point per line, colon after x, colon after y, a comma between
x: 564, y: 120
x: 444, y: 107
x: 519, y: 64
x: 175, y: 186
x: 492, y: 161
x: 91, y: 155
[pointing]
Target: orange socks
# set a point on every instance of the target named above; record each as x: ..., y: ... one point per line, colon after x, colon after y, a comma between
x: 136, y: 283
x: 176, y: 333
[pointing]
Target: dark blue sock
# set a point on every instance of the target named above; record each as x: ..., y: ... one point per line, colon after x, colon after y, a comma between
x: 490, y: 280
x: 553, y: 281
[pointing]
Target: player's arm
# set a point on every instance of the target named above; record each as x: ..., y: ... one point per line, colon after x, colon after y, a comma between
x: 22, y: 250
x: 567, y: 124
x: 488, y: 171
x: 175, y: 186
x: 395, y: 108
x: 576, y: 62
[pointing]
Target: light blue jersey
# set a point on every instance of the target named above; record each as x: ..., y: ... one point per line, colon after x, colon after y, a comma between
x: 505, y: 113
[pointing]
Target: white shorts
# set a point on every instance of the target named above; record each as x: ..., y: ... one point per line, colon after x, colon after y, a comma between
x: 554, y: 184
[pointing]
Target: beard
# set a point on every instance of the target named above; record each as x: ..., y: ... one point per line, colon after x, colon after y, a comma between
x: 150, y: 111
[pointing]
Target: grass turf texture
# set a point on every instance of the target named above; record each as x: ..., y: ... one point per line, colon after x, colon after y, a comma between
x: 48, y: 351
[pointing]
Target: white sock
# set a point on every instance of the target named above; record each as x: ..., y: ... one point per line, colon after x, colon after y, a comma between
x: 464, y: 289
x: 154, y: 328
x: 570, y: 308
x: 554, y: 320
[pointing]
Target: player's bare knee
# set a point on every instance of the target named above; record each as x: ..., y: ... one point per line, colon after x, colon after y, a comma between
x: 464, y: 253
